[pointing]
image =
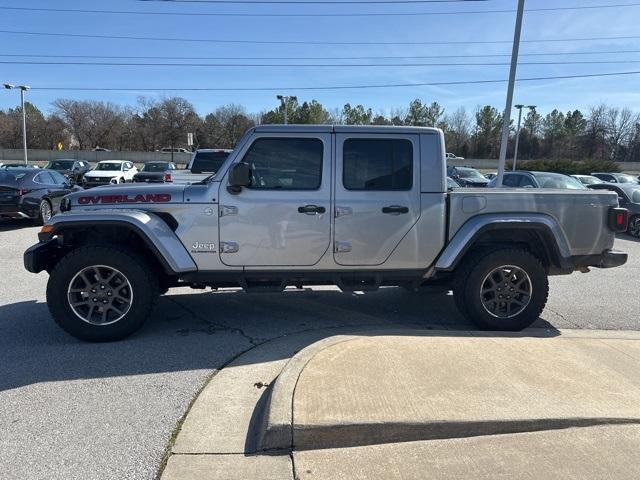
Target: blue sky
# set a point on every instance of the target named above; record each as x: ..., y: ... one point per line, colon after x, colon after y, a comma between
x: 564, y: 94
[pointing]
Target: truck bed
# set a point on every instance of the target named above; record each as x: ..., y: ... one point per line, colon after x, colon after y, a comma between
x: 580, y: 214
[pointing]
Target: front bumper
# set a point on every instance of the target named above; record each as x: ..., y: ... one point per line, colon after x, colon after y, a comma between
x: 39, y: 256
x: 607, y: 259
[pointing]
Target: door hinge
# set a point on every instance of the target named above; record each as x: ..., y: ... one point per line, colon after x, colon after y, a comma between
x: 228, y: 210
x: 229, y: 247
x: 341, y: 247
x: 342, y: 211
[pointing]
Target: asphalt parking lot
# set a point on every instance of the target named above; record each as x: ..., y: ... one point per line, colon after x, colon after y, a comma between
x: 75, y: 410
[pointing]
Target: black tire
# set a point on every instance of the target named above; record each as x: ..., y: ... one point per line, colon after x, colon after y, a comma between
x: 144, y: 292
x: 40, y: 219
x: 634, y: 226
x: 474, y: 273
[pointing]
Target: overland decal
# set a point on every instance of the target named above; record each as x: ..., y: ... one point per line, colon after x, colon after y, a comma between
x: 108, y: 199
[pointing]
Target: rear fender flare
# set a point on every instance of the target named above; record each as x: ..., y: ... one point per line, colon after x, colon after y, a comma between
x: 467, y: 236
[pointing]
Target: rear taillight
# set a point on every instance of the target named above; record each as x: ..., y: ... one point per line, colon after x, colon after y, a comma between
x: 23, y: 191
x: 167, y: 177
x: 618, y: 219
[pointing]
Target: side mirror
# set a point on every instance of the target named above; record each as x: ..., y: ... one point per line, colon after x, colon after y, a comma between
x: 239, y: 176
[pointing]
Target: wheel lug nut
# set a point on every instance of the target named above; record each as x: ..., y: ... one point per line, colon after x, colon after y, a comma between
x: 95, y: 299
x: 102, y: 287
x: 109, y: 294
x: 104, y: 301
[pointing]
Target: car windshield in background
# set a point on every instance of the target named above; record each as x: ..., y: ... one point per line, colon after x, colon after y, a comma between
x: 626, y: 179
x: 208, y: 162
x: 108, y: 166
x: 470, y: 173
x: 61, y: 165
x: 550, y: 180
x: 155, y: 167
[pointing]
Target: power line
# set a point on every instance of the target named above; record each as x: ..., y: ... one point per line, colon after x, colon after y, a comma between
x: 358, y: 14
x: 307, y: 65
x: 308, y: 42
x: 366, y: 57
x: 313, y: 2
x: 334, y: 87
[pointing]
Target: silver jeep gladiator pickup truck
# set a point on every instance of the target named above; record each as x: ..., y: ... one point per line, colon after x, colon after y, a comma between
x: 356, y: 207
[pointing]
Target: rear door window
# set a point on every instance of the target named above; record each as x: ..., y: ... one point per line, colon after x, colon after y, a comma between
x: 377, y: 164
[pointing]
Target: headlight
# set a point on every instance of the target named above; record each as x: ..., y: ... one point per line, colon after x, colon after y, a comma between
x: 65, y: 204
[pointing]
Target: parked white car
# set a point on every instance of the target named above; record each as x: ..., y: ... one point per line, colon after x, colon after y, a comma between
x: 110, y: 172
x: 453, y: 156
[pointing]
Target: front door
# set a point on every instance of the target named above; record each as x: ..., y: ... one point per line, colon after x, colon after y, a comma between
x: 284, y: 217
x: 377, y: 195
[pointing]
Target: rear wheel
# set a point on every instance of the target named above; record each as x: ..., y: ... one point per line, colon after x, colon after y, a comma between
x: 100, y: 294
x: 634, y: 226
x: 505, y: 289
x: 45, y: 212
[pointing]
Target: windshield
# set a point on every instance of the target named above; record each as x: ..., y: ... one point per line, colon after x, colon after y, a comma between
x: 108, y: 166
x: 470, y: 173
x: 208, y: 162
x: 623, y: 178
x: 155, y: 167
x: 548, y: 180
x: 60, y: 165
x: 586, y: 180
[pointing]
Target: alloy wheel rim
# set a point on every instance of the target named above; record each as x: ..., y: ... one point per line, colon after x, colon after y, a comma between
x: 506, y: 291
x: 634, y: 227
x: 100, y: 295
x: 45, y: 211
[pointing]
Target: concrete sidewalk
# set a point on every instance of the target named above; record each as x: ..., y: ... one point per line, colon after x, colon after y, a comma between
x: 418, y: 404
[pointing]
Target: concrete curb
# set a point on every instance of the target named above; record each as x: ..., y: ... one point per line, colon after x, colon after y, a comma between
x: 281, y: 432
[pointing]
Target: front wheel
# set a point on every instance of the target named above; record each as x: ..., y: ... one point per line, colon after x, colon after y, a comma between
x: 100, y: 293
x: 505, y: 289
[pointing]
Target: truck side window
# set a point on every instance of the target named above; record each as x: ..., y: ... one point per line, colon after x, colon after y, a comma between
x: 377, y: 164
x: 285, y: 163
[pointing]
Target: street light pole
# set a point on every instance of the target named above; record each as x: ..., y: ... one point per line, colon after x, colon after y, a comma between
x: 515, y: 149
x: 284, y: 100
x: 506, y: 121
x: 23, y: 89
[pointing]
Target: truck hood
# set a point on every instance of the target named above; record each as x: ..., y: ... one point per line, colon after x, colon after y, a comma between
x: 131, y: 194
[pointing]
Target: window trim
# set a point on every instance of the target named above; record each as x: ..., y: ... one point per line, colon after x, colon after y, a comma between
x: 388, y: 139
x: 321, y: 166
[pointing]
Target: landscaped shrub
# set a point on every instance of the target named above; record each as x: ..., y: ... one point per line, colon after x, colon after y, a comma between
x: 569, y: 167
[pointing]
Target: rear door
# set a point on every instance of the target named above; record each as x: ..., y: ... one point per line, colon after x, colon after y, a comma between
x: 284, y: 217
x: 377, y: 195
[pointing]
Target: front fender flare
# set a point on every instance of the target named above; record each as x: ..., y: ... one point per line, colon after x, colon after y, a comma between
x: 156, y: 234
x: 467, y: 235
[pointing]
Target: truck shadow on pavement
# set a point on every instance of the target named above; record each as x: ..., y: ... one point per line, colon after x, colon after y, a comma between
x: 207, y: 330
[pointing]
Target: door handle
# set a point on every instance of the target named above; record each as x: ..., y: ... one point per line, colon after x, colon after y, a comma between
x: 395, y: 210
x: 311, y: 209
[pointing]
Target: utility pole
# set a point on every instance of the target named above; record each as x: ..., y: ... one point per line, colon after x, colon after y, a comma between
x: 515, y: 149
x: 506, y: 120
x: 284, y: 101
x: 23, y: 89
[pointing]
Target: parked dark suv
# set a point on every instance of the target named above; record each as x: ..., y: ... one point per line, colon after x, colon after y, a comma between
x: 616, y: 177
x: 74, y: 170
x: 526, y: 179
